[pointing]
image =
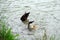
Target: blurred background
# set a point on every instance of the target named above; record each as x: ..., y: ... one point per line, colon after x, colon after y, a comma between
x: 45, y: 13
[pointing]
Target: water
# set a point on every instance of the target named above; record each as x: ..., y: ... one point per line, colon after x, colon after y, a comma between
x: 45, y: 13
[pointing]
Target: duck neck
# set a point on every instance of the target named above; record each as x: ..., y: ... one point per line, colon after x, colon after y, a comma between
x: 28, y: 26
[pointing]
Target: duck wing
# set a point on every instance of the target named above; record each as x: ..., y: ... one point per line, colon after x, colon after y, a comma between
x: 25, y: 16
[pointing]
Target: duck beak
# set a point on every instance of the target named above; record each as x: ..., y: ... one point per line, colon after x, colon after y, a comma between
x: 31, y: 22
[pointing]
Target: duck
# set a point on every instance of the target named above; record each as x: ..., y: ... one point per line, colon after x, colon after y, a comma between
x: 33, y: 27
x: 24, y: 17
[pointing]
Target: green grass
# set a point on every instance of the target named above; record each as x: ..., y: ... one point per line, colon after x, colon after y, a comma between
x: 46, y: 37
x: 6, y: 33
x: 52, y: 37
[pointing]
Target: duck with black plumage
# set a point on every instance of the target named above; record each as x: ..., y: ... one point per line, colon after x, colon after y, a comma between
x: 24, y: 17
